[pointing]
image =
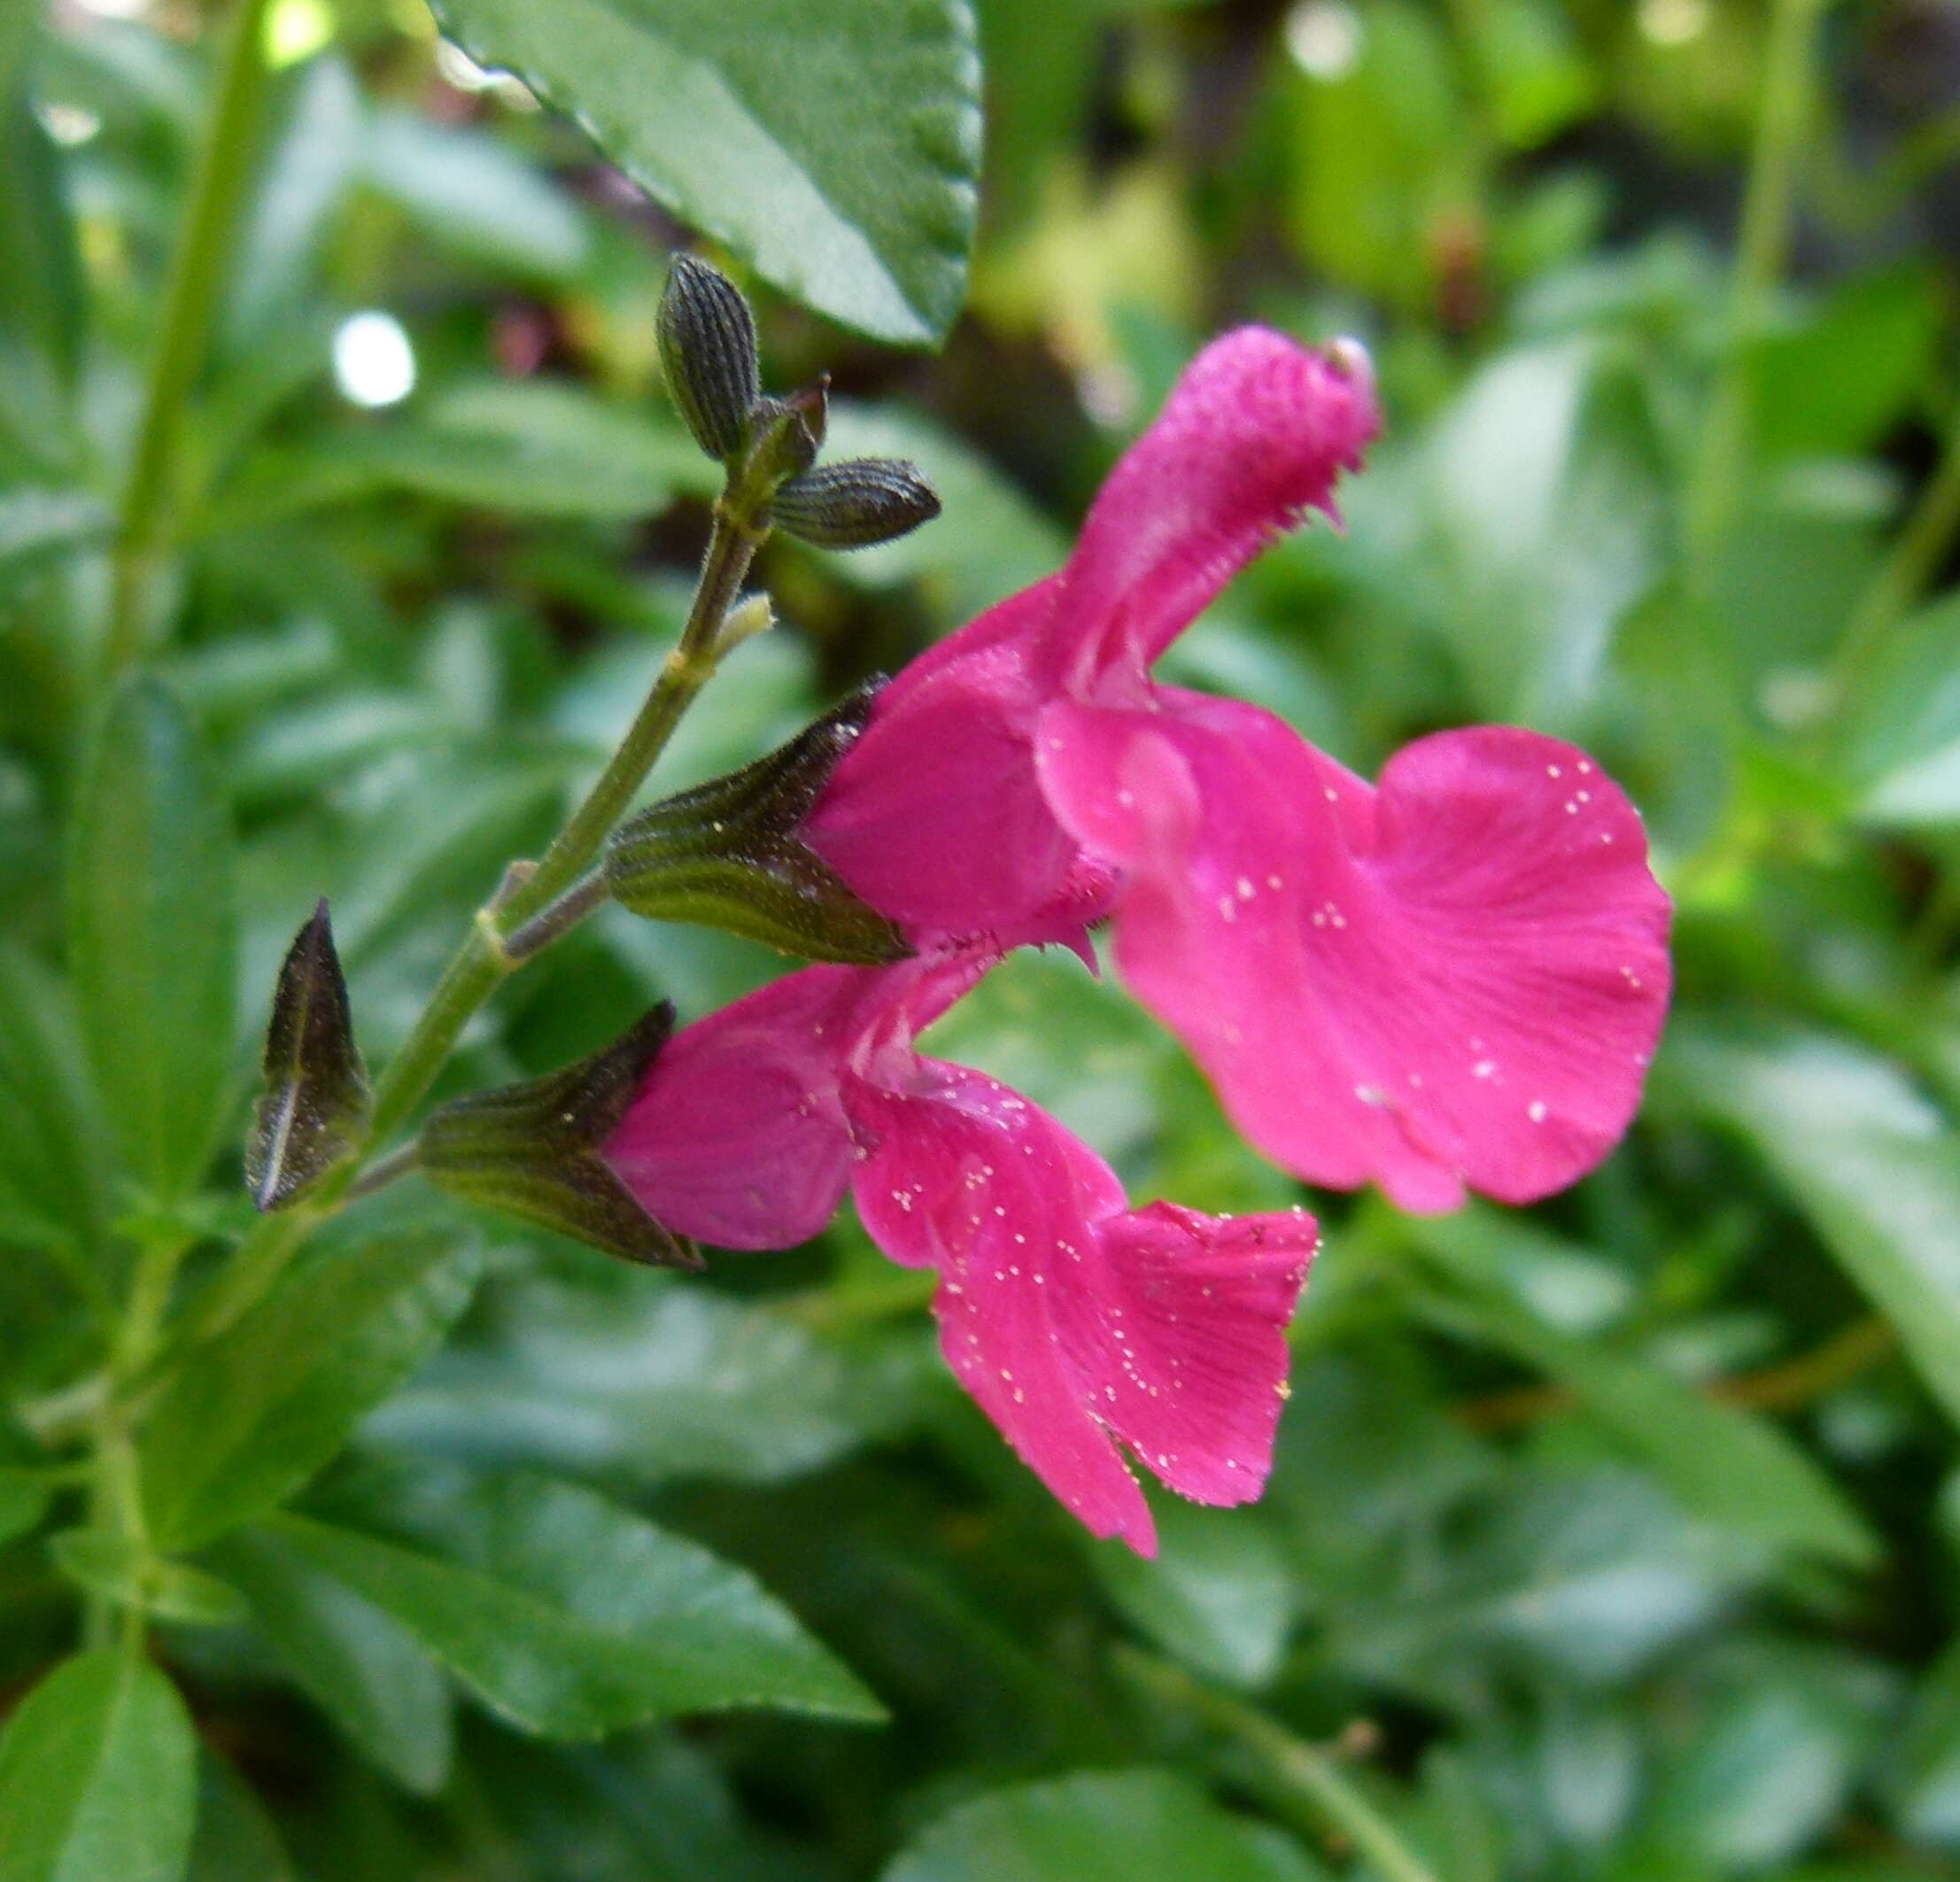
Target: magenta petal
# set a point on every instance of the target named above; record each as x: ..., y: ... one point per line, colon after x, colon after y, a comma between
x: 1458, y: 980
x: 1254, y: 434
x: 933, y: 816
x: 1070, y: 1319
x: 736, y: 1136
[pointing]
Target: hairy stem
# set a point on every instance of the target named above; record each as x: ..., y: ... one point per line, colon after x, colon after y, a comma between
x: 557, y: 917
x: 1782, y: 117
x: 484, y: 958
x: 183, y: 337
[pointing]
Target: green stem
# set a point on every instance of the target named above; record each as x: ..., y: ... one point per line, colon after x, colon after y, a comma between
x: 384, y: 1170
x: 190, y: 306
x: 1906, y: 571
x: 115, y: 1501
x: 1776, y: 155
x: 1299, y: 1769
x: 558, y: 918
x: 482, y: 961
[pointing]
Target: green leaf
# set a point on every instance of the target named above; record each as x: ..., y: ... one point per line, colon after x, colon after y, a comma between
x: 96, y: 1776
x: 1902, y: 736
x: 1873, y: 1165
x: 1773, y: 1757
x: 1726, y: 1465
x: 235, y: 1840
x: 570, y: 1617
x: 474, y: 193
x: 313, y: 1114
x: 1116, y: 1826
x: 37, y: 527
x: 152, y: 935
x: 123, y: 1571
x: 653, y: 1384
x: 263, y: 1406
x: 23, y: 1502
x: 50, y: 1162
x: 542, y: 449
x: 1924, y: 1776
x: 41, y: 294
x: 836, y: 147
x: 363, y: 1669
x: 1218, y: 1595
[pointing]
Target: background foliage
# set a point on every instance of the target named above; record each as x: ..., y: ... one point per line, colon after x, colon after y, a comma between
x: 1616, y: 1540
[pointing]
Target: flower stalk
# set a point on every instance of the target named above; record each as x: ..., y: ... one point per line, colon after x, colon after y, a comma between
x: 487, y: 955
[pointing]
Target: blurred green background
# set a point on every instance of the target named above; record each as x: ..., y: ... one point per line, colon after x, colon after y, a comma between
x: 1616, y: 1540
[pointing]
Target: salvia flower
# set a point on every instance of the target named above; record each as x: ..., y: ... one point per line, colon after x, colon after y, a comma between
x: 1452, y: 981
x: 1072, y: 1320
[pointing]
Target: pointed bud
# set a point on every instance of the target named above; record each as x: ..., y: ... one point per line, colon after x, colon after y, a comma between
x: 534, y: 1150
x: 786, y: 435
x: 728, y: 855
x: 708, y: 351
x: 313, y: 1111
x: 852, y: 505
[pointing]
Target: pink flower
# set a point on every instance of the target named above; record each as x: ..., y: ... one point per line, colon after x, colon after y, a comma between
x: 1070, y: 1317
x: 1455, y: 980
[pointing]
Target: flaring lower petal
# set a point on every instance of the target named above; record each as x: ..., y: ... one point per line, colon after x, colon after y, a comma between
x: 1072, y: 1320
x: 1455, y: 980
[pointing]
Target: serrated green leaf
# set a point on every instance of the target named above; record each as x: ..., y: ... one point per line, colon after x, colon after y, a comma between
x: 265, y: 1404
x: 567, y: 1615
x: 96, y: 1776
x: 1100, y: 1826
x: 362, y: 1668
x: 1873, y: 1165
x: 837, y: 147
x: 152, y: 935
x: 124, y: 1571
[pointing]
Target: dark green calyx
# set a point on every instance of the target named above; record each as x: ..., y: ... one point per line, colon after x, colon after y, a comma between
x: 313, y: 1113
x: 708, y: 352
x: 786, y: 435
x: 729, y: 854
x: 855, y: 504
x: 536, y: 1150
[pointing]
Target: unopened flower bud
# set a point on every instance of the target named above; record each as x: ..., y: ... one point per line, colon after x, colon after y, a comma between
x: 314, y: 1111
x: 534, y: 1150
x: 728, y: 853
x: 852, y: 505
x: 708, y: 351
